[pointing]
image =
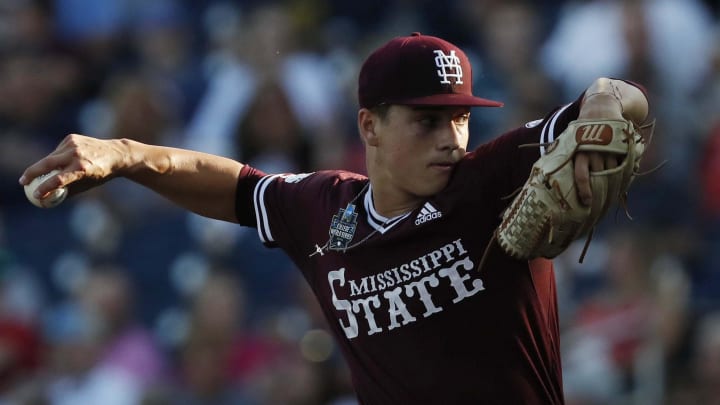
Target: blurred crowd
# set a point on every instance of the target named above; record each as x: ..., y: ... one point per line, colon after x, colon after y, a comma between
x: 118, y: 297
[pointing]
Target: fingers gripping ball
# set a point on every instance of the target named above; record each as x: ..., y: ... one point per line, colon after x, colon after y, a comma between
x: 547, y: 214
x: 50, y: 200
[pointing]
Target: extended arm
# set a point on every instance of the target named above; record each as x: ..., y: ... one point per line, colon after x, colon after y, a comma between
x: 200, y: 182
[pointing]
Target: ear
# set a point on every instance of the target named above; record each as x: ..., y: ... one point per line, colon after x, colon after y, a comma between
x: 367, y: 121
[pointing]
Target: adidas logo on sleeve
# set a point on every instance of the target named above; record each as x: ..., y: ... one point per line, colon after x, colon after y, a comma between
x: 427, y: 213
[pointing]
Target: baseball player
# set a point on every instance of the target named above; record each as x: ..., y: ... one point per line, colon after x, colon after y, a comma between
x: 392, y: 257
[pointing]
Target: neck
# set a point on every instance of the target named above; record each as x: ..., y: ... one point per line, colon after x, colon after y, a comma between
x: 392, y: 203
x: 388, y: 201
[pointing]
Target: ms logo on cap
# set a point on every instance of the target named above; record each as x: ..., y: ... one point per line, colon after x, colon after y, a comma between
x: 402, y: 72
x: 448, y: 66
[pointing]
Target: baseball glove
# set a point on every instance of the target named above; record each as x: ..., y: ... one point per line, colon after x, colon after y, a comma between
x: 547, y: 215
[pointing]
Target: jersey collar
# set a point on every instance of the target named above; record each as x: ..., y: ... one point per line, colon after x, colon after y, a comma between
x: 377, y: 221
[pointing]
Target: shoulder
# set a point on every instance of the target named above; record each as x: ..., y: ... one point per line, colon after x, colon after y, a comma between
x: 540, y: 131
x: 309, y: 188
x: 322, y: 178
x: 501, y: 165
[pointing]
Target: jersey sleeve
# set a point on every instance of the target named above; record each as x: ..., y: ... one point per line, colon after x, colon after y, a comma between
x: 291, y: 209
x: 244, y: 206
x: 279, y: 200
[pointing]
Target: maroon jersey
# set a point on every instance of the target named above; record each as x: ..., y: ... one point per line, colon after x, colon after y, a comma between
x: 416, y: 321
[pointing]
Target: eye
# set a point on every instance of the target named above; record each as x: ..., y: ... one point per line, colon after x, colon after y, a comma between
x: 428, y: 121
x: 461, y: 119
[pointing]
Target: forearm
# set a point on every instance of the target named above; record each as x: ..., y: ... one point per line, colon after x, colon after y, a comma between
x: 200, y: 182
x: 610, y: 98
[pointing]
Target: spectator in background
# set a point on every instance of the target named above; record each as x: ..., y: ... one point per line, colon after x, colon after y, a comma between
x: 204, y: 377
x: 74, y: 351
x: 264, y: 49
x: 640, y: 40
x: 108, y: 293
x: 20, y: 358
x: 270, y: 136
x: 100, y: 353
x: 640, y: 309
x: 38, y: 81
x: 700, y: 383
x: 165, y: 42
x: 21, y: 346
x: 220, y: 357
x: 508, y: 36
x: 140, y: 106
x: 707, y: 292
x: 95, y: 32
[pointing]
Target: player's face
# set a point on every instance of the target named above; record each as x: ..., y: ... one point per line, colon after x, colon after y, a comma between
x: 418, y: 147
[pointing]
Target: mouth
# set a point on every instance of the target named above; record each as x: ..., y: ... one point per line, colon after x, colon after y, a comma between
x: 442, y: 165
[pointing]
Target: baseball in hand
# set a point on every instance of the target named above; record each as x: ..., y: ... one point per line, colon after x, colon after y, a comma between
x: 52, y: 199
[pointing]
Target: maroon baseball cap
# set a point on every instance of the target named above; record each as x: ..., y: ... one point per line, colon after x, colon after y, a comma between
x: 418, y: 70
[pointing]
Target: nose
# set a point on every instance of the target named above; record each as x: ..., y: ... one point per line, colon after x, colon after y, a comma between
x: 449, y: 137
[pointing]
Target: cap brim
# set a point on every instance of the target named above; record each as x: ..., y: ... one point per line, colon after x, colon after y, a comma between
x: 462, y: 100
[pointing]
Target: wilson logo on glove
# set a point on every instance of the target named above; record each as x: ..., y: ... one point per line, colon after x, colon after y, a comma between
x: 598, y: 134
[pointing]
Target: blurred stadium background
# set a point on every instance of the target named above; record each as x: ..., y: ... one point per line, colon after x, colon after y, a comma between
x: 117, y: 297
